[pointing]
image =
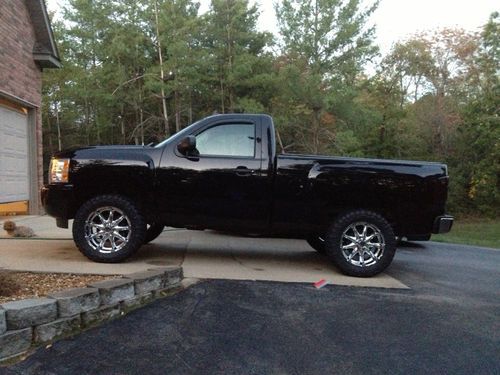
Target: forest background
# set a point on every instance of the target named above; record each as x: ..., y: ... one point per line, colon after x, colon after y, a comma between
x: 137, y: 71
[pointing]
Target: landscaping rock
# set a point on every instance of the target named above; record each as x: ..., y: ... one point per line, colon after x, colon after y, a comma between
x: 3, y: 322
x: 171, y: 289
x: 15, y: 342
x: 29, y: 312
x: 61, y: 327
x: 172, y: 275
x: 104, y: 313
x: 147, y: 281
x: 115, y: 290
x: 137, y: 301
x: 77, y: 300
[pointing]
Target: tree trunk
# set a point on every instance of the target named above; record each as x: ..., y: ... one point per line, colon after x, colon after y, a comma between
x: 122, y: 126
x: 190, y: 111
x: 316, y: 130
x: 58, y: 124
x: 222, y: 94
x: 98, y: 130
x: 49, y: 128
x: 280, y: 142
x: 87, y: 120
x: 381, y: 136
x: 177, y: 111
x: 162, y: 73
x: 230, y: 88
x: 141, y: 118
x: 440, y: 120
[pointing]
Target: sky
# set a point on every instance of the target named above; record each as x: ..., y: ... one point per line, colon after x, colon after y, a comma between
x: 394, y: 19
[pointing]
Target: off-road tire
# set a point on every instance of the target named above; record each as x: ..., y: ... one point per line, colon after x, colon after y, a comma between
x: 335, y: 236
x: 136, y: 222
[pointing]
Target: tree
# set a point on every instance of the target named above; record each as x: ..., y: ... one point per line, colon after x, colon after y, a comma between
x: 435, y: 96
x: 477, y: 163
x: 235, y: 51
x: 325, y: 43
x: 128, y: 51
x: 178, y: 42
x: 433, y: 68
x: 407, y: 68
x: 331, y: 35
x: 88, y: 28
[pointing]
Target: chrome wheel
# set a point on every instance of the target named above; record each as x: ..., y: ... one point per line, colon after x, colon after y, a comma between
x: 362, y: 244
x: 107, y: 230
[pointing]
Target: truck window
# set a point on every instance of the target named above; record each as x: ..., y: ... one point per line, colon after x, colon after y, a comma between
x: 227, y: 140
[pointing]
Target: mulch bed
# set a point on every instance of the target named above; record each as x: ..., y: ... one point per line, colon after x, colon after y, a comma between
x: 21, y: 285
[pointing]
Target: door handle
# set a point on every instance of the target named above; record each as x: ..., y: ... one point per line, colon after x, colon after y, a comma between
x: 244, y: 171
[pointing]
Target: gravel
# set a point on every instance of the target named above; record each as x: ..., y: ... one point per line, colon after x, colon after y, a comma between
x: 32, y: 285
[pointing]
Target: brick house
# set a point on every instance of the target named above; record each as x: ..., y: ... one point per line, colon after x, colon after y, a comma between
x: 26, y: 47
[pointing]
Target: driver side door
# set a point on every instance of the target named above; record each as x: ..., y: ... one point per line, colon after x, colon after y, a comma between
x: 221, y: 186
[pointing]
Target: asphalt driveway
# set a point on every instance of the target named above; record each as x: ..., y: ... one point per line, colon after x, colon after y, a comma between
x: 448, y: 322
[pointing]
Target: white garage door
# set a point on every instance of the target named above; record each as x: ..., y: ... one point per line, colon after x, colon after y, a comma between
x: 14, y: 171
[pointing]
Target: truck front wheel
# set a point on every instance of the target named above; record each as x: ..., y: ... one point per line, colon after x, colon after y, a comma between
x: 361, y: 243
x: 108, y: 228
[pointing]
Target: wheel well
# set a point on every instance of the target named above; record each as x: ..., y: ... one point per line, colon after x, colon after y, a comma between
x: 391, y: 217
x: 141, y: 201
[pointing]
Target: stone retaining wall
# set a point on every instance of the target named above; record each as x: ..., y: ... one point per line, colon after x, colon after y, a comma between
x: 30, y: 322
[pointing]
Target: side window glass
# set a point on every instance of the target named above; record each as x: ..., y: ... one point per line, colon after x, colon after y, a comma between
x: 227, y: 140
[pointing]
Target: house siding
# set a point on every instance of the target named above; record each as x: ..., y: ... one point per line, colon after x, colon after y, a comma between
x: 20, y: 76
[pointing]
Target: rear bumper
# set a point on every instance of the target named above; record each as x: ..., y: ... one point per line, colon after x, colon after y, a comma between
x: 59, y: 202
x: 443, y: 224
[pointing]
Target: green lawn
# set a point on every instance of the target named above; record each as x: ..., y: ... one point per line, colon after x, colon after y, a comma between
x: 480, y: 232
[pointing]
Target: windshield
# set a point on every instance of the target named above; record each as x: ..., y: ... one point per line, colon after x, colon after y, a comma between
x: 184, y: 132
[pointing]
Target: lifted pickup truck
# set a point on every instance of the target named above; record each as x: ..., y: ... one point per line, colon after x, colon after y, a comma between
x: 223, y: 173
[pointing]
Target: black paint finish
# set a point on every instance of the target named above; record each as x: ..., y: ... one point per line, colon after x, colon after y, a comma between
x: 283, y: 195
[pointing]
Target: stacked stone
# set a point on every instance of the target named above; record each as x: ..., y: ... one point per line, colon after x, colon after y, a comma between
x: 36, y: 321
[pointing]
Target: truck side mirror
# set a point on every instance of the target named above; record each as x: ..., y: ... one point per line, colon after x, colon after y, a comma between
x: 187, y: 145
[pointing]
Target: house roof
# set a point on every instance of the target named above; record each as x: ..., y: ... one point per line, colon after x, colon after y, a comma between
x: 45, y: 51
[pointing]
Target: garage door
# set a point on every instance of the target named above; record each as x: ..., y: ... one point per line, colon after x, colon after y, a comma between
x: 14, y: 170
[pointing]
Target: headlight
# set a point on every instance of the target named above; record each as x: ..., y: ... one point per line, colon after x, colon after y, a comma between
x: 59, y: 171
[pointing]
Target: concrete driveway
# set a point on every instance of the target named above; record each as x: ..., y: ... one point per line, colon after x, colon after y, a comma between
x: 204, y: 255
x: 447, y: 323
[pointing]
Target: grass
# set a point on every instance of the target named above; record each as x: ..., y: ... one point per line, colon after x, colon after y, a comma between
x: 479, y: 232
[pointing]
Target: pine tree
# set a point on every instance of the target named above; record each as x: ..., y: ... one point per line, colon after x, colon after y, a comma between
x: 325, y: 44
x: 235, y: 48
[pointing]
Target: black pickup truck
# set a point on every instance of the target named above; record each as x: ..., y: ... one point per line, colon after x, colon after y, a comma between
x: 224, y: 173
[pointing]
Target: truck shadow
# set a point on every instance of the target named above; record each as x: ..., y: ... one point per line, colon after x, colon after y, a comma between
x: 264, y: 253
x: 217, y: 251
x: 215, y: 256
x: 410, y: 246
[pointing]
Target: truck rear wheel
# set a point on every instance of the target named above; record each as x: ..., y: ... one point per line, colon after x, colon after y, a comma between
x: 108, y: 228
x: 361, y: 243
